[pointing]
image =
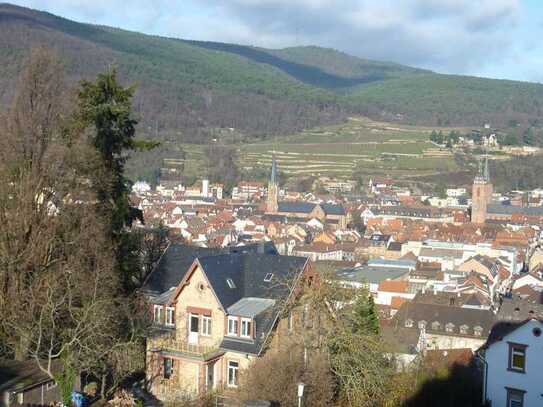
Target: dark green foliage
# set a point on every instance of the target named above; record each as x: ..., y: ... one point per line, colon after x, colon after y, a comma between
x: 258, y: 90
x: 519, y: 173
x: 365, y: 319
x: 106, y: 108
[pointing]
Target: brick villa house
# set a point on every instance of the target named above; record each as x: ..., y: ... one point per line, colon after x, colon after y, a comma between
x: 220, y: 313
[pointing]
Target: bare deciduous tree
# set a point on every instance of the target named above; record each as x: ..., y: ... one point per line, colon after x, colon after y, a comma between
x: 58, y: 285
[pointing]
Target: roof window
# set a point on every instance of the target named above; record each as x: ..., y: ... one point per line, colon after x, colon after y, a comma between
x: 268, y: 277
x: 230, y: 283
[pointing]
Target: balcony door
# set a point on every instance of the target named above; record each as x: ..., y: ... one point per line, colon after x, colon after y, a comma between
x: 194, y: 328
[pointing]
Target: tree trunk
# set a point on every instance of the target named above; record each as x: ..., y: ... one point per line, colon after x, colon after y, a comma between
x: 103, y: 386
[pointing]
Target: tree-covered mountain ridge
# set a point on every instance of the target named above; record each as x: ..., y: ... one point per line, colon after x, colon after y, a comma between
x: 186, y: 89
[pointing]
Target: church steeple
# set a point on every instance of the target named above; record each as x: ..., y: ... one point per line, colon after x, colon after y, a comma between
x: 273, y: 176
x: 481, y: 193
x: 272, y: 204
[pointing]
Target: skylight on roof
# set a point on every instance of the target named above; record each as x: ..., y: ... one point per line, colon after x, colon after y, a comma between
x: 230, y: 283
x: 268, y: 277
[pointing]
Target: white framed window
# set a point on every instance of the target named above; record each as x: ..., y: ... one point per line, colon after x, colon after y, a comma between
x: 206, y: 326
x: 517, y: 357
x: 515, y: 397
x: 170, y: 316
x: 233, y: 368
x: 50, y: 385
x: 233, y: 326
x: 408, y: 323
x: 246, y: 328
x: 157, y: 314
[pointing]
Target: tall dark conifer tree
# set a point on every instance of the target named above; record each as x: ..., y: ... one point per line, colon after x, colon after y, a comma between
x: 105, y: 107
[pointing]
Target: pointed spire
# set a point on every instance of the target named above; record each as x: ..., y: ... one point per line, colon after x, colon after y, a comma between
x: 273, y: 177
x: 486, y: 174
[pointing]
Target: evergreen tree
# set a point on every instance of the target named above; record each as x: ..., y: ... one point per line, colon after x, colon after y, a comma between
x: 365, y: 319
x: 105, y: 107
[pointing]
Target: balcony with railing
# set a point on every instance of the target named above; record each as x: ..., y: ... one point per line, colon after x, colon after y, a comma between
x: 171, y: 342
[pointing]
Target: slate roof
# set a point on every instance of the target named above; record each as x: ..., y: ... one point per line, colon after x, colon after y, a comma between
x: 393, y: 263
x: 332, y: 209
x: 247, y: 272
x: 415, y: 212
x: 299, y: 207
x: 307, y: 207
x: 395, y: 246
x: 370, y: 275
x: 19, y: 376
x: 250, y: 307
x: 177, y: 258
x: 518, y: 309
x: 443, y: 314
x: 445, y: 253
x: 510, y: 209
x: 502, y: 329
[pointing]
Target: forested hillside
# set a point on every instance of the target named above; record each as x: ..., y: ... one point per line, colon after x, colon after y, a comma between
x: 188, y: 89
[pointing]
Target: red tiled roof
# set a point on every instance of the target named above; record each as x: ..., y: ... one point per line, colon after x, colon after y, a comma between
x: 393, y: 286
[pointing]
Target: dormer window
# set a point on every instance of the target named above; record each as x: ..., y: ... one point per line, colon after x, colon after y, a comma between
x: 422, y: 324
x: 233, y: 326
x: 246, y: 328
x: 230, y: 283
x: 170, y: 316
x: 464, y: 329
x: 478, y: 331
x: 157, y: 314
x: 449, y: 327
x: 268, y: 277
x: 409, y: 323
x: 436, y: 326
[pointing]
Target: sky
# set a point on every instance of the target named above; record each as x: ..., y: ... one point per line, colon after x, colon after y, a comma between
x: 492, y: 38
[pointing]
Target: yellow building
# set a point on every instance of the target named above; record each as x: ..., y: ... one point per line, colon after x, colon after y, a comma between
x: 221, y: 315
